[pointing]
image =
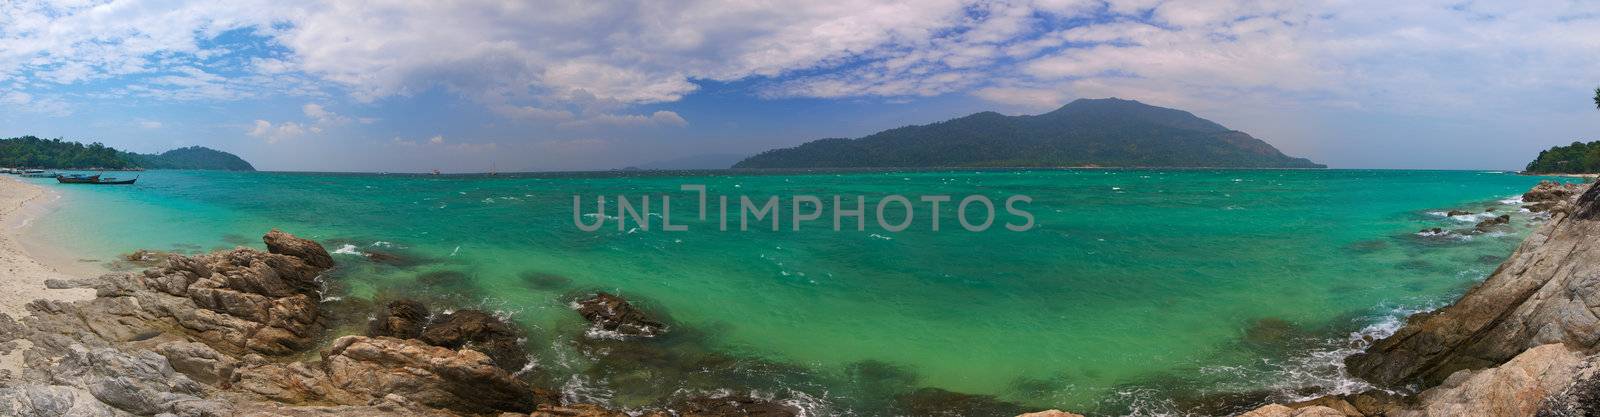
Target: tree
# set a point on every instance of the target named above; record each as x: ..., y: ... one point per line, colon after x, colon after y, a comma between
x: 1597, y: 98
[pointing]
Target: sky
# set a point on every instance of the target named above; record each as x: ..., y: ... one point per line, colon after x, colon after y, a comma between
x: 474, y: 85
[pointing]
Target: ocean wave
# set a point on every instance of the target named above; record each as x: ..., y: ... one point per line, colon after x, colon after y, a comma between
x: 878, y: 236
x: 1323, y: 372
x: 348, y: 249
x: 1513, y: 200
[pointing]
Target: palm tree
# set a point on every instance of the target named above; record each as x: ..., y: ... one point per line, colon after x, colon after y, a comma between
x: 1597, y: 98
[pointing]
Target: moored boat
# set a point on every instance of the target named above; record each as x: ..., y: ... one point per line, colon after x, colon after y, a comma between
x: 93, y: 179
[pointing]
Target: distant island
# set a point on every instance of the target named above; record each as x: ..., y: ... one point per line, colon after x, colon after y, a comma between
x: 1084, y: 133
x: 35, y: 152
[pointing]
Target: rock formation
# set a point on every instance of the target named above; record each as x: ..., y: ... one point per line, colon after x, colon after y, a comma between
x: 611, y: 313
x: 1546, y: 292
x: 222, y: 334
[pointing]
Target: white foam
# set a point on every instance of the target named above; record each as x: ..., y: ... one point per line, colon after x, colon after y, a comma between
x: 348, y: 249
x: 878, y: 236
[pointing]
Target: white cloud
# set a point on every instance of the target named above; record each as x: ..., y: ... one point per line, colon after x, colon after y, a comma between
x: 149, y: 124
x: 436, y: 139
x: 273, y: 133
x: 661, y: 118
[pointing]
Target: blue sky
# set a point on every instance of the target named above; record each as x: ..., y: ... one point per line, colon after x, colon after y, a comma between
x: 400, y: 85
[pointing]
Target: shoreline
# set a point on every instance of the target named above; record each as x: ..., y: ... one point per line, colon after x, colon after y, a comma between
x: 171, y: 302
x: 22, y: 274
x: 26, y: 272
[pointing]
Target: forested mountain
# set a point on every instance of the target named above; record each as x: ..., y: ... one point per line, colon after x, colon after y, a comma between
x: 1577, y: 158
x: 1102, y: 132
x: 193, y: 157
x: 34, y: 152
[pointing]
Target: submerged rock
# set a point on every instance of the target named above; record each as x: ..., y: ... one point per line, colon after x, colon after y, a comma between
x: 732, y: 405
x: 939, y: 402
x: 1489, y: 224
x: 613, y: 314
x: 1453, y: 213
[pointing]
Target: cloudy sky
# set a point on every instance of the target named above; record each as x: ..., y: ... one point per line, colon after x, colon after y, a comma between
x: 462, y: 85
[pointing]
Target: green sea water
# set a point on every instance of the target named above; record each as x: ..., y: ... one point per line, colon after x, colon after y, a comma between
x: 1137, y: 291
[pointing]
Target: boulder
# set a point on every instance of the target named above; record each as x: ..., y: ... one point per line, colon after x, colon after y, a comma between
x: 459, y: 380
x: 1516, y: 388
x: 1453, y: 213
x: 613, y: 314
x: 312, y: 253
x: 400, y: 319
x: 1551, y: 191
x: 482, y: 332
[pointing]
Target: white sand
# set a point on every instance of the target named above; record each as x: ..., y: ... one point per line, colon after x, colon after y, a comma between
x: 22, y: 276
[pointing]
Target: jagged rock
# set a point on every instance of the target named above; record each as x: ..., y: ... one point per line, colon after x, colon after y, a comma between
x: 479, y: 331
x: 1542, y: 294
x: 613, y: 314
x: 1516, y: 388
x: 198, y: 361
x: 312, y: 253
x: 1581, y: 399
x: 1453, y: 213
x: 51, y: 401
x: 141, y: 383
x: 291, y: 383
x: 1551, y: 191
x: 400, y: 319
x: 1378, y: 402
x: 461, y: 380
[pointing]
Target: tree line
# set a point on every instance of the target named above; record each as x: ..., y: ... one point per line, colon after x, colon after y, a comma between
x: 1577, y: 158
x: 35, y: 152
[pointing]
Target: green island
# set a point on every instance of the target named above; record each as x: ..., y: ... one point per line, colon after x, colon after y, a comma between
x: 34, y: 152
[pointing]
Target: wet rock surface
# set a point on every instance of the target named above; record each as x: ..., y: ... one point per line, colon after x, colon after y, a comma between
x: 479, y: 331
x: 611, y: 313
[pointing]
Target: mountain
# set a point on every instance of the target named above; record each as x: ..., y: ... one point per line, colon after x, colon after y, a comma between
x: 193, y: 157
x: 1087, y: 132
x: 35, y: 152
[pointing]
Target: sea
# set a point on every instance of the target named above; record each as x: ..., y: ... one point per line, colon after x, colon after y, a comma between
x: 1134, y: 291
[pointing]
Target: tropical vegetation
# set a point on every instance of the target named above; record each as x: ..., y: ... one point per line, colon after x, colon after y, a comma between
x: 35, y: 152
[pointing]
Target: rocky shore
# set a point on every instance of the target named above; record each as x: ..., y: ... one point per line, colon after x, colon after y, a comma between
x: 246, y: 332
x: 237, y: 333
x: 1524, y: 342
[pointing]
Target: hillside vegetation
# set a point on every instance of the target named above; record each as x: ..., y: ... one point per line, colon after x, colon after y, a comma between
x: 1105, y: 132
x: 35, y: 152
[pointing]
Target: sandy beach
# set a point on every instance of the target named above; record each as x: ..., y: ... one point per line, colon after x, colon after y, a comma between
x: 23, y: 275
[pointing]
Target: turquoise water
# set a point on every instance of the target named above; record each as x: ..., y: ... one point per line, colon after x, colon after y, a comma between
x: 1137, y: 289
